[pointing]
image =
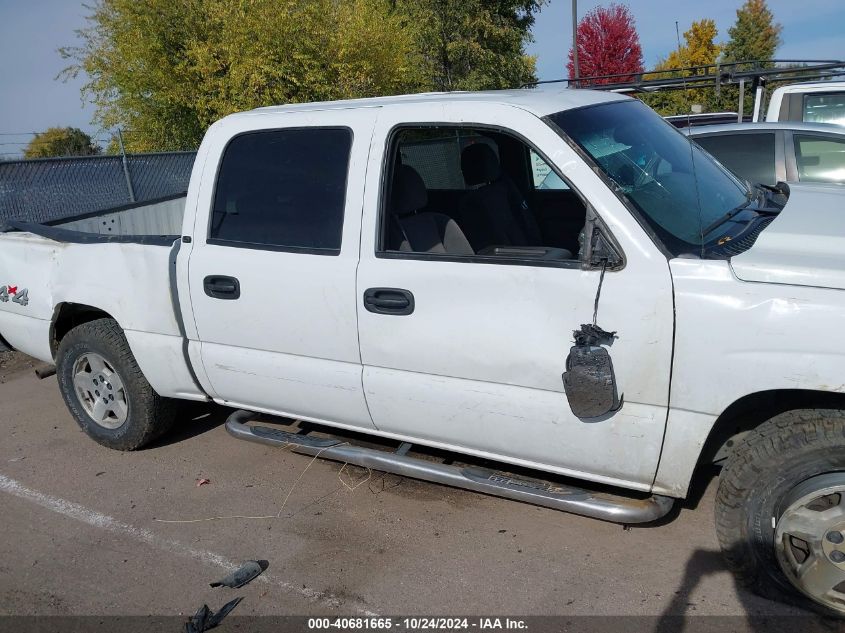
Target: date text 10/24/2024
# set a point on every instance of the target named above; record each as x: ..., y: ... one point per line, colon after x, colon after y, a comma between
x: 417, y: 623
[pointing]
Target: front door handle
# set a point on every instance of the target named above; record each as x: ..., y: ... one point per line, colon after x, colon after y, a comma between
x: 393, y: 301
x: 221, y: 287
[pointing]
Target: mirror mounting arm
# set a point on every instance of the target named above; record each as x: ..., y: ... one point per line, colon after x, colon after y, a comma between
x: 589, y: 380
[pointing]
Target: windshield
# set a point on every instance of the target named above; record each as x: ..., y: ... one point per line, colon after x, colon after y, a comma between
x: 677, y: 187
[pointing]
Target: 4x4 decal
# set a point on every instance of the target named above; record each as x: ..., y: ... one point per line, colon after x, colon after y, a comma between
x: 18, y: 295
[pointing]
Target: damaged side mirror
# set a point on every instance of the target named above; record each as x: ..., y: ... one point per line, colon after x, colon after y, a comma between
x: 597, y: 247
x: 602, y: 252
x: 589, y: 381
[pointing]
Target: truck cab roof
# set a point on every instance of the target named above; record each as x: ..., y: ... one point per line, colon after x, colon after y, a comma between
x: 540, y: 100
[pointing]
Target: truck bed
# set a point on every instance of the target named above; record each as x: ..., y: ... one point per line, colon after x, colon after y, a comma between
x: 155, y: 221
x: 120, y: 261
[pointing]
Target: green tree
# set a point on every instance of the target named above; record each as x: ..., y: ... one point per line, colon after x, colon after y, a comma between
x: 164, y: 70
x: 473, y: 44
x: 61, y: 141
x: 754, y: 36
x: 700, y: 49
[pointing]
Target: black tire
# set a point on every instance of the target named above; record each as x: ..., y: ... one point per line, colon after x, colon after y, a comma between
x: 149, y: 415
x: 762, y: 469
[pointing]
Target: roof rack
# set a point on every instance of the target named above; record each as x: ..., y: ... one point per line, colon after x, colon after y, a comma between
x: 708, y: 74
x: 757, y: 72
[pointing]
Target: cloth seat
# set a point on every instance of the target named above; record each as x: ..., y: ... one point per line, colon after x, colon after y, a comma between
x: 421, y: 232
x: 495, y: 213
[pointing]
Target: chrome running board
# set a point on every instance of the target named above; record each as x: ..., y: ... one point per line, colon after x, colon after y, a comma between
x: 598, y: 505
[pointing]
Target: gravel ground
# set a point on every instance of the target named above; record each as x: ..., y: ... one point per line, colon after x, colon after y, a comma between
x: 14, y: 363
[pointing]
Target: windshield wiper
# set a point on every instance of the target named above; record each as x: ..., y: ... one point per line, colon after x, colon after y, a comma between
x: 725, y: 218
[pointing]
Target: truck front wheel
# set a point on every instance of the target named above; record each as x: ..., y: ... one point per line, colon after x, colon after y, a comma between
x: 105, y: 390
x: 780, y: 510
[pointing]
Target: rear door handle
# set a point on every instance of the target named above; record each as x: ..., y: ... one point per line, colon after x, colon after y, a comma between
x: 222, y: 287
x: 393, y: 301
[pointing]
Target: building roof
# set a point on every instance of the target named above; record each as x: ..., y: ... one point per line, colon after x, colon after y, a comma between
x: 540, y: 100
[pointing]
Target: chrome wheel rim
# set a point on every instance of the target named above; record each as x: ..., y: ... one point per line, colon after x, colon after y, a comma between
x: 810, y: 539
x: 100, y: 390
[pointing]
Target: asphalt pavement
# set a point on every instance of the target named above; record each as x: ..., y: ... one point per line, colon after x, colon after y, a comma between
x: 90, y: 531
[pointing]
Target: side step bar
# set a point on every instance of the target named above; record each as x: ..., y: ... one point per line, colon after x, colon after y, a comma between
x: 608, y: 507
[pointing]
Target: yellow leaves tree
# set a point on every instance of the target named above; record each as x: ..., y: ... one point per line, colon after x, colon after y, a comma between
x: 60, y: 141
x: 699, y: 49
x: 166, y: 69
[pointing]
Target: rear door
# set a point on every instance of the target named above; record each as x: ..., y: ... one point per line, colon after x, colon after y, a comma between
x: 272, y: 274
x: 475, y: 361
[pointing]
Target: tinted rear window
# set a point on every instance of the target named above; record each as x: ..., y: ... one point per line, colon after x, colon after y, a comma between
x: 749, y: 156
x: 283, y: 188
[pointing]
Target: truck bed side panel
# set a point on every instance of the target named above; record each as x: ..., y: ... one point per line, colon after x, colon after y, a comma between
x: 130, y: 282
x: 27, y: 262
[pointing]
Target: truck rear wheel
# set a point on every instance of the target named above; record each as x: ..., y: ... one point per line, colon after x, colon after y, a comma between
x: 105, y: 390
x: 780, y: 510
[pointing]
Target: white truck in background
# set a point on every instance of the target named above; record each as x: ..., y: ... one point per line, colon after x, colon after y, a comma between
x: 392, y: 266
x: 816, y: 102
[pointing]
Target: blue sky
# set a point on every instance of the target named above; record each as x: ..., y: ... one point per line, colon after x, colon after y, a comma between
x: 812, y: 29
x: 31, y: 31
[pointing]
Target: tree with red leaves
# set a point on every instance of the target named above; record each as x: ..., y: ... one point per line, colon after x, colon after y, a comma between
x: 608, y: 44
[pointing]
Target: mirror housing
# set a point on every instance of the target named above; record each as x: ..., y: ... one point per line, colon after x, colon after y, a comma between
x: 589, y: 380
x: 599, y: 249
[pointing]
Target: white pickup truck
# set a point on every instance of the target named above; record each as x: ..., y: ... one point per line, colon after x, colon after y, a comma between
x: 815, y: 102
x: 397, y: 267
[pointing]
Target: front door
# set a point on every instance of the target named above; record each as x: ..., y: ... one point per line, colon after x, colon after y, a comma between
x: 477, y: 363
x: 272, y: 278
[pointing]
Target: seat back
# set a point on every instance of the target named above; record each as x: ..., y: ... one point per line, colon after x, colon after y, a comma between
x: 421, y: 232
x: 494, y: 213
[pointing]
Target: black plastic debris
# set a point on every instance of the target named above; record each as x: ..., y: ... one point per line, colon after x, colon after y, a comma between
x: 246, y: 573
x: 591, y: 334
x: 205, y: 619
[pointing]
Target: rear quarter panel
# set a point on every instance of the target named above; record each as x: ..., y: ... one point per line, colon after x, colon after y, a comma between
x: 130, y: 282
x: 27, y: 262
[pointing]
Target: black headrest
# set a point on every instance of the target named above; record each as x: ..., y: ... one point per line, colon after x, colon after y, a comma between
x: 409, y: 193
x: 479, y: 164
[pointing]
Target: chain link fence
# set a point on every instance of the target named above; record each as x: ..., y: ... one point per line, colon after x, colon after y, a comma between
x: 50, y: 189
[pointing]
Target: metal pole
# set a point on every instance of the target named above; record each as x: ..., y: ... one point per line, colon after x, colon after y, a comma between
x: 759, y: 98
x: 718, y: 82
x: 125, y: 166
x: 575, y: 40
x: 741, y: 99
